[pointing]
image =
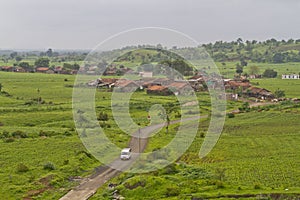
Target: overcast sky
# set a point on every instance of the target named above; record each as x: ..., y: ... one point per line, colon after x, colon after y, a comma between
x: 82, y: 24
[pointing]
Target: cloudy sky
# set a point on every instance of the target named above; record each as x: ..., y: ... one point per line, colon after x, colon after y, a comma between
x: 82, y: 24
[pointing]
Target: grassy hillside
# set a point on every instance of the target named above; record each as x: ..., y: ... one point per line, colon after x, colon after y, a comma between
x: 41, y: 154
x: 34, y: 133
x: 256, y: 157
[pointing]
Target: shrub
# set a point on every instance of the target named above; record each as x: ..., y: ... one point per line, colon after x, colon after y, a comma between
x: 19, y: 134
x: 49, y: 166
x: 220, y: 184
x: 230, y: 115
x: 257, y: 186
x: 170, y: 169
x: 202, y: 134
x: 66, y: 162
x: 9, y: 140
x: 22, y: 168
x: 4, y: 134
x: 67, y: 133
x: 172, y: 191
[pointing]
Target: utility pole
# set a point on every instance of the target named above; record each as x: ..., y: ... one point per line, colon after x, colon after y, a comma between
x: 139, y: 140
x: 38, y: 99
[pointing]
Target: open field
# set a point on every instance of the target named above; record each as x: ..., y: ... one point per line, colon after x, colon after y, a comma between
x: 34, y: 133
x: 41, y: 154
x: 257, y: 154
x: 285, y: 68
x: 291, y: 87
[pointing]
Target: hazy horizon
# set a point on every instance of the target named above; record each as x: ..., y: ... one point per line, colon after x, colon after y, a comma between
x: 66, y: 25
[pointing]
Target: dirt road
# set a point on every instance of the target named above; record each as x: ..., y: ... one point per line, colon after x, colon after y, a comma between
x: 138, y: 143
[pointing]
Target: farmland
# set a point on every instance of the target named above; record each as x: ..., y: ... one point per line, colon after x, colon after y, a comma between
x: 42, y: 155
x: 257, y: 154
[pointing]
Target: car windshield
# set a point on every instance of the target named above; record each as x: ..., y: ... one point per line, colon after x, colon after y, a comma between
x: 125, y: 153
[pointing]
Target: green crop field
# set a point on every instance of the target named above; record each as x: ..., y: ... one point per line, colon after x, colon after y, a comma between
x: 41, y: 155
x: 35, y: 132
x: 257, y: 156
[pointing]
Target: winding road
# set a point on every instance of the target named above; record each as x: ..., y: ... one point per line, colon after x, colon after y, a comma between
x: 138, y: 143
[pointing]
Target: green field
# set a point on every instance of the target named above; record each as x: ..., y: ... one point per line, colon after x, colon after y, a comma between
x: 41, y: 153
x: 36, y: 132
x: 285, y: 68
x: 258, y: 154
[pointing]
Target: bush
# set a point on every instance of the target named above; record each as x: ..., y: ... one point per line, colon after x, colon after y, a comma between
x: 230, y: 115
x: 257, y: 187
x: 202, y: 134
x: 9, y: 140
x: 4, y: 134
x: 22, y: 168
x: 170, y: 169
x: 67, y: 133
x: 220, y: 184
x: 172, y: 191
x: 66, y: 162
x: 19, y: 134
x: 49, y: 166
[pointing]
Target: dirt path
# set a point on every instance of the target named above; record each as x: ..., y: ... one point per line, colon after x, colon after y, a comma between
x: 138, y: 144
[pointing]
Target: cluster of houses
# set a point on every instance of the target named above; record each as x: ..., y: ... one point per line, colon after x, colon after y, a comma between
x: 46, y: 70
x: 244, y: 88
x: 167, y: 86
x: 158, y: 86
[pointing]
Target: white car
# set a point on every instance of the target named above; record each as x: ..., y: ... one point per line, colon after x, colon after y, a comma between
x: 125, y: 154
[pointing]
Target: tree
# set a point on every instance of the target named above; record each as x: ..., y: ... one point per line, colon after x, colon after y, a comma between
x: 13, y: 55
x: 18, y: 58
x: 278, y: 58
x: 1, y: 86
x: 270, y: 73
x: 103, y: 117
x: 49, y: 53
x: 169, y: 108
x: 239, y: 69
x: 243, y: 62
x: 24, y: 65
x: 254, y: 70
x: 279, y: 93
x: 42, y: 62
x: 239, y: 41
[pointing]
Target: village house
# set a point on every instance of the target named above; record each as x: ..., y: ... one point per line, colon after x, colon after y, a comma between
x: 124, y: 85
x: 58, y: 70
x: 7, y: 68
x: 19, y: 69
x: 148, y: 82
x: 198, y: 78
x: 44, y: 70
x: 106, y: 82
x: 232, y: 96
x: 110, y: 71
x: 197, y: 82
x: 255, y: 76
x: 259, y: 93
x: 290, y: 76
x: 233, y: 85
x: 180, y: 88
x: 159, y: 90
x: 146, y: 74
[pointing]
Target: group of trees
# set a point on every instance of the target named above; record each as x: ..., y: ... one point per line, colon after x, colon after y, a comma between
x: 43, y: 59
x: 271, y: 51
x: 254, y: 70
